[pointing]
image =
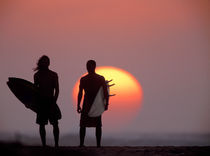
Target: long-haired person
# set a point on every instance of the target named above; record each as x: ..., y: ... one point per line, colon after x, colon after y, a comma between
x: 47, y: 82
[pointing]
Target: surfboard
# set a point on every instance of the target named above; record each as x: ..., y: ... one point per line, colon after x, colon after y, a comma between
x: 25, y: 91
x: 98, y: 106
x: 28, y: 94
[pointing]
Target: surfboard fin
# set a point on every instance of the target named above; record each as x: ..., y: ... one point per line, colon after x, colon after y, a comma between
x: 110, y: 85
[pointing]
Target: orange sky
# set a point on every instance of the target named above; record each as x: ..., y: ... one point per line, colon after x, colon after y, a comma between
x: 163, y: 44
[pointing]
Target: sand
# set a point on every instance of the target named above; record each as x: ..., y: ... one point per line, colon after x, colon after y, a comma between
x: 16, y: 149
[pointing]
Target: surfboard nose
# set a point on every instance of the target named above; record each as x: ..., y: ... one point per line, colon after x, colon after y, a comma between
x: 11, y: 79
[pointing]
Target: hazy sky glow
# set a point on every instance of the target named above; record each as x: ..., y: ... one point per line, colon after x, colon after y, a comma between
x: 164, y: 44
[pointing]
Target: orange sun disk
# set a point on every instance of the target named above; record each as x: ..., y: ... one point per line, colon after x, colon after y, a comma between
x: 125, y: 105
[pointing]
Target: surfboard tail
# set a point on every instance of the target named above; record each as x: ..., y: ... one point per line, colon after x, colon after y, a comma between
x: 108, y: 87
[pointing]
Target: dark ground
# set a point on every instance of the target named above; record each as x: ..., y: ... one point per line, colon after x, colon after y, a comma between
x: 16, y: 149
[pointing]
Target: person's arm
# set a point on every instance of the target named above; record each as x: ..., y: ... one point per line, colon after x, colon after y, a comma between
x: 56, y: 89
x: 36, y: 84
x: 79, y: 98
x: 35, y: 80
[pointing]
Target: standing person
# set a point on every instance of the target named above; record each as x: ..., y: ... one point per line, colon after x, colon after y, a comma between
x: 90, y: 84
x: 47, y: 83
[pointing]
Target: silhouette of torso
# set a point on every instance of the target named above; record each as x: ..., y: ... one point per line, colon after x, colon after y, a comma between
x: 91, y: 84
x: 46, y: 81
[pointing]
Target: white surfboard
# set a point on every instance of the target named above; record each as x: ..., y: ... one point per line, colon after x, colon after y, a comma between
x: 98, y: 106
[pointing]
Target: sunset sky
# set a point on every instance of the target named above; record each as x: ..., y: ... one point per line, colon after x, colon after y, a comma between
x: 163, y: 44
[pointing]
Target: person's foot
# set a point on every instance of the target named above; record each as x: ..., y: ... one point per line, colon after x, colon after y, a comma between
x: 98, y: 146
x: 81, y: 146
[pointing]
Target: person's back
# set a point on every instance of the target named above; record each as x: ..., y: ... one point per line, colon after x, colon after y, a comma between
x: 46, y: 80
x: 91, y: 84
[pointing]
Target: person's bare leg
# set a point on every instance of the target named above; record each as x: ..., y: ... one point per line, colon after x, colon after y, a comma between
x: 82, y: 136
x: 98, y: 136
x: 56, y: 134
x: 42, y: 132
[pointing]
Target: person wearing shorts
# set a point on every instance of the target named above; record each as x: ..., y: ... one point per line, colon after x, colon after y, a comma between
x: 90, y: 84
x: 47, y: 82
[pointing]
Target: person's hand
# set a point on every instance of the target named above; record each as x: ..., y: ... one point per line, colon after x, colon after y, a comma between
x: 79, y: 109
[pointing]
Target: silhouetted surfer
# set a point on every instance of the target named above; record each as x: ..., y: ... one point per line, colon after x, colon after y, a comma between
x: 47, y: 83
x: 90, y: 84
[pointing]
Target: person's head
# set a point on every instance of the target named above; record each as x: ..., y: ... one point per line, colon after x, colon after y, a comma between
x: 91, y: 66
x: 43, y: 63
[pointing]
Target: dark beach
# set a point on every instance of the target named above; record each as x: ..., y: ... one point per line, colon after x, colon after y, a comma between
x: 17, y: 149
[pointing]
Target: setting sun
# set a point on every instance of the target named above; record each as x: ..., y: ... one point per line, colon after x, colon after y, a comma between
x: 127, y: 101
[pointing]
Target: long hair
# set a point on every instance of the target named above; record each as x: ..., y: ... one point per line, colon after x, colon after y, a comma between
x: 43, y: 63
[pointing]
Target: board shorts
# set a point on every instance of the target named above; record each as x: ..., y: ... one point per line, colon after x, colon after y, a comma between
x: 42, y: 119
x: 49, y: 112
x: 86, y: 121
